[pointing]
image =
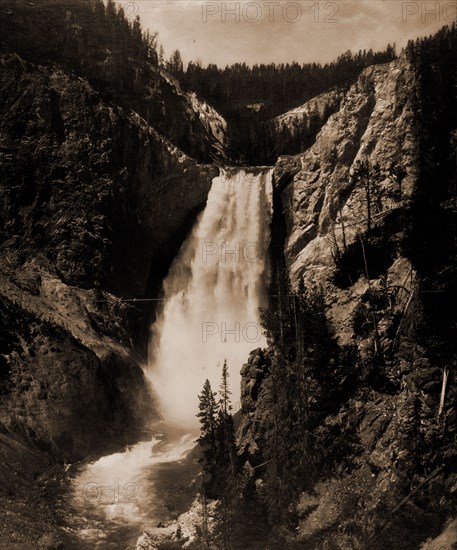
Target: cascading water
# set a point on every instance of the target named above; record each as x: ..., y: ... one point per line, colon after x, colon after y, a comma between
x: 210, y: 312
x: 212, y: 295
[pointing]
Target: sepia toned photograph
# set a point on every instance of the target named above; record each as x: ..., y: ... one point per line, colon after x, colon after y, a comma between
x: 228, y: 275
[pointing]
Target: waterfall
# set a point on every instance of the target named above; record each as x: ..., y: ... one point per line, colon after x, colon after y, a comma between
x: 210, y: 312
x: 212, y: 295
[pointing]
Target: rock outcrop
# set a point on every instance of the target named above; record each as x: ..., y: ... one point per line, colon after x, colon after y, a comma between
x: 209, y: 119
x: 293, y: 132
x: 325, y: 210
x: 372, y: 296
x: 94, y: 205
x: 183, y: 532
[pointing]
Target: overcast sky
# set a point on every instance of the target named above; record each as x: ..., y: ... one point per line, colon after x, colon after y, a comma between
x: 257, y: 31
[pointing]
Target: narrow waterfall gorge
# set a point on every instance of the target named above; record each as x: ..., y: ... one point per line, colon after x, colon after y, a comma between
x: 211, y: 313
x: 228, y: 275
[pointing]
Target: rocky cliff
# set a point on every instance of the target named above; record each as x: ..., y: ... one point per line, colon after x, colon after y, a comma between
x: 210, y: 121
x: 94, y: 205
x: 293, y: 132
x: 101, y: 46
x: 326, y: 210
x: 390, y: 432
x: 92, y: 208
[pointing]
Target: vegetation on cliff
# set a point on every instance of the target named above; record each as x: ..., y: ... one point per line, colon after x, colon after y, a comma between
x: 432, y: 236
x: 352, y: 445
x: 248, y: 96
x: 357, y: 437
x: 94, y: 40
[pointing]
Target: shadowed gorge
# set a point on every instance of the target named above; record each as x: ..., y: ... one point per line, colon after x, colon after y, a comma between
x: 265, y: 254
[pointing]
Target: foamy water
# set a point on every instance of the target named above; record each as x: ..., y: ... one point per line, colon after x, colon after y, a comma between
x: 212, y: 295
x: 119, y: 495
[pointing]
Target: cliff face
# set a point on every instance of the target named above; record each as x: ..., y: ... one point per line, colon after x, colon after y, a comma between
x: 99, y: 45
x: 94, y: 204
x: 293, y: 132
x: 73, y: 164
x: 326, y: 209
x: 351, y: 247
x: 182, y: 118
x: 375, y: 123
x: 210, y: 122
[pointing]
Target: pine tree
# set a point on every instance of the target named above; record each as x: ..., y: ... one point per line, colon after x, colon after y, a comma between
x: 217, y: 440
x: 175, y: 65
x: 208, y: 421
x: 161, y: 57
x: 367, y: 177
x: 225, y: 393
x: 227, y: 466
x: 111, y: 11
x: 225, y: 436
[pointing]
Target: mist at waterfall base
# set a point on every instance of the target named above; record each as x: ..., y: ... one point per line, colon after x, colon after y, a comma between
x: 212, y: 296
x: 217, y: 282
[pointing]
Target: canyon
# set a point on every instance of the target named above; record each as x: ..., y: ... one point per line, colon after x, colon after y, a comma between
x: 96, y: 199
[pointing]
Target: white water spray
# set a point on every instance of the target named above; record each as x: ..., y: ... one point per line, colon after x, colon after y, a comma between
x: 212, y: 295
x: 210, y: 313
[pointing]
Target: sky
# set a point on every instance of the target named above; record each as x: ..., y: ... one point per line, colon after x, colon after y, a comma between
x: 281, y: 31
